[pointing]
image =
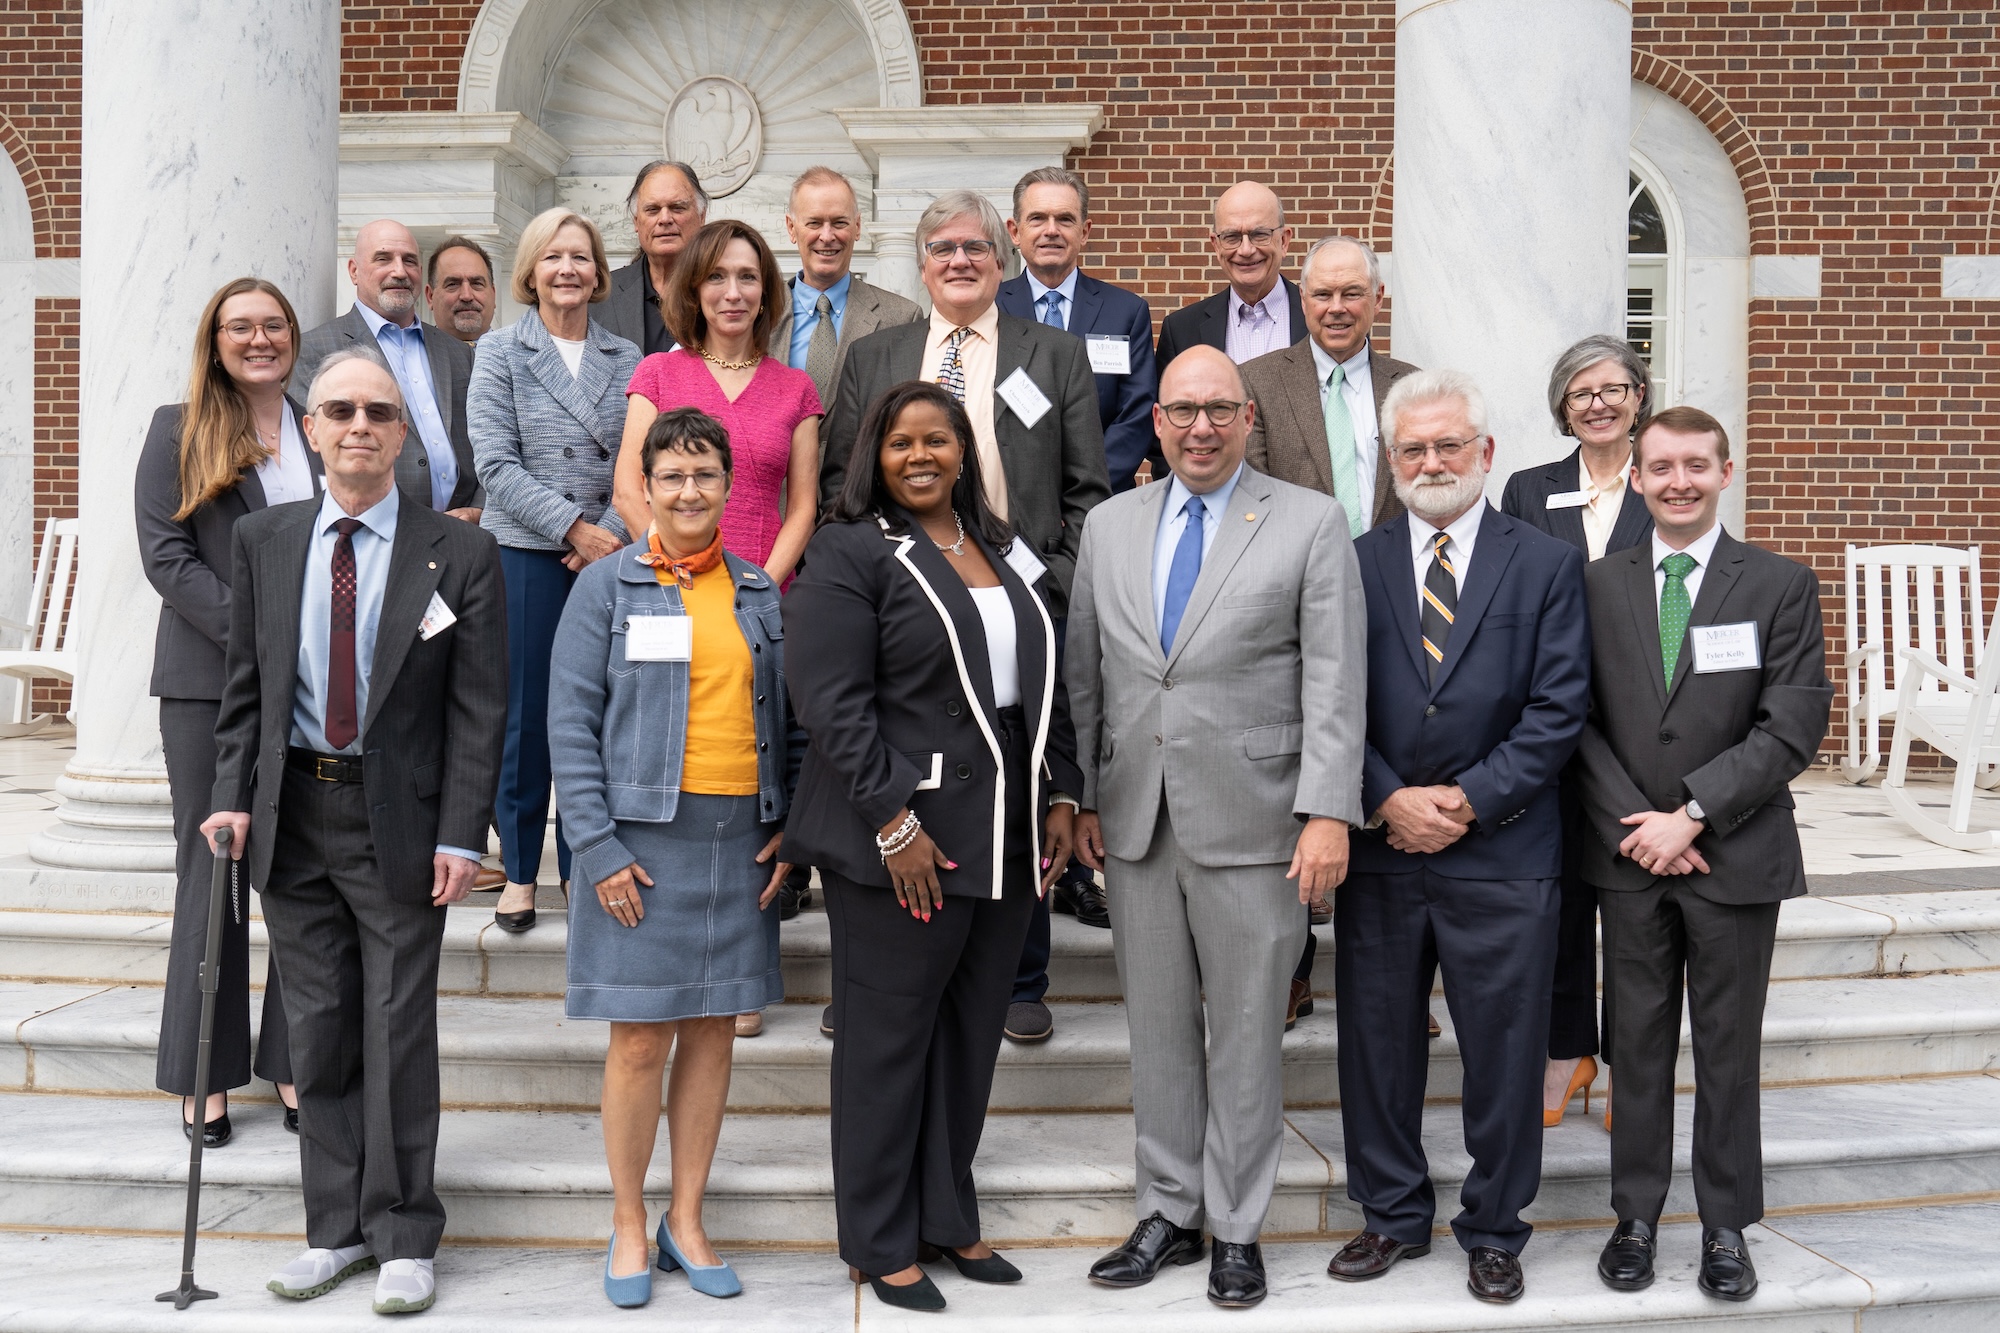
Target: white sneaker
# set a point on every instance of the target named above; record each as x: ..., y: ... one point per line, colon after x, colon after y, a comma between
x: 405, y: 1286
x: 316, y: 1272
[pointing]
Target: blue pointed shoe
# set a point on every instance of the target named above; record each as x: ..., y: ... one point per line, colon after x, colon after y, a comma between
x: 711, y: 1280
x: 626, y: 1292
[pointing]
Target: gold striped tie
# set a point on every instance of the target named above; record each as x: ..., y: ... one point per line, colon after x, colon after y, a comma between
x: 1439, y: 603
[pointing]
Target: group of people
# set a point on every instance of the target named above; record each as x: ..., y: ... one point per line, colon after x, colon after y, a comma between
x: 1306, y: 673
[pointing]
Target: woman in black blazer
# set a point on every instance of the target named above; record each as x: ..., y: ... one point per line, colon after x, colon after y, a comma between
x: 922, y: 665
x: 234, y: 446
x: 1600, y: 392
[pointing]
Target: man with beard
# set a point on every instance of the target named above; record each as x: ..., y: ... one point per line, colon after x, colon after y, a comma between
x: 1478, y: 686
x: 458, y: 287
x: 431, y: 367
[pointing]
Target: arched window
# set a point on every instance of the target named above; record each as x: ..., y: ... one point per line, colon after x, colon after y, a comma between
x: 1649, y: 297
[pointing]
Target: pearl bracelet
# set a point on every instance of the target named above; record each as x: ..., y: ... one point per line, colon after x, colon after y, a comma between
x: 905, y: 834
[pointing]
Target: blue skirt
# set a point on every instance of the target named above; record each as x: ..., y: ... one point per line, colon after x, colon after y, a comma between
x: 703, y: 949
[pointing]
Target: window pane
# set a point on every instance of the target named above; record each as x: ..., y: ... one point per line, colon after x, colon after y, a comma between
x: 1646, y: 230
x: 1639, y: 319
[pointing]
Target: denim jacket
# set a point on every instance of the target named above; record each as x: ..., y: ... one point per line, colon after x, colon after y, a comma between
x: 618, y: 729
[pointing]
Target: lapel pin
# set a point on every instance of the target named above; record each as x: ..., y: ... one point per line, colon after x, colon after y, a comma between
x: 1249, y: 518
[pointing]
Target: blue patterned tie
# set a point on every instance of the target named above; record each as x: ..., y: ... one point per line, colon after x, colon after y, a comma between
x: 1182, y: 573
x: 1052, y: 310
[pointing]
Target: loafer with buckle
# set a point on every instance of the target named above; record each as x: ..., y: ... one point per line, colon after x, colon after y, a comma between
x: 1029, y: 1021
x: 1236, y: 1274
x: 1726, y: 1271
x: 1627, y: 1261
x: 1493, y: 1275
x: 1153, y: 1244
x: 1300, y: 1004
x: 1082, y: 899
x: 1371, y: 1254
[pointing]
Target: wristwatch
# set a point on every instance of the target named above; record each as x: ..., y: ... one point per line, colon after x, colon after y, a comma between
x: 1693, y: 808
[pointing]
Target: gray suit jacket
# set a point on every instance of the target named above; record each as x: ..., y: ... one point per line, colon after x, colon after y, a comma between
x: 1256, y: 720
x: 451, y: 371
x: 1289, y: 438
x: 869, y: 308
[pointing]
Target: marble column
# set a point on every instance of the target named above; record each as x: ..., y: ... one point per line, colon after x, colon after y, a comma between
x: 210, y: 151
x: 1512, y: 120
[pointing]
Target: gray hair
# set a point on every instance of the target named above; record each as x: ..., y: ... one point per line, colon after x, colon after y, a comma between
x: 341, y: 358
x: 1367, y: 253
x: 1581, y: 357
x: 1433, y: 386
x: 664, y: 164
x: 955, y: 204
x: 1054, y: 176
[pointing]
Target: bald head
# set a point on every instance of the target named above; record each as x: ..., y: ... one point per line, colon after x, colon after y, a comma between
x: 1198, y: 386
x: 1201, y: 368
x: 385, y: 270
x: 1251, y: 238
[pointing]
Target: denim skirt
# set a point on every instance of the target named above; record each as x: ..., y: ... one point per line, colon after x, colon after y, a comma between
x: 703, y: 949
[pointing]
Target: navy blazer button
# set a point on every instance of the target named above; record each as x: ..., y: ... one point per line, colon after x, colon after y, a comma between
x: 951, y: 708
x: 1666, y: 738
x: 965, y: 770
x: 1430, y: 710
x: 571, y: 453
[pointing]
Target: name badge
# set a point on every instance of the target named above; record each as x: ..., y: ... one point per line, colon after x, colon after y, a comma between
x: 1110, y: 353
x: 1024, y: 561
x: 1027, y: 400
x: 659, y: 639
x: 437, y: 618
x: 1569, y: 500
x: 1725, y: 647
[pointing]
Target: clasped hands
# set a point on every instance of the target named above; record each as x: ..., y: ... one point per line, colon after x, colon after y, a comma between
x: 1662, y: 842
x: 1425, y: 819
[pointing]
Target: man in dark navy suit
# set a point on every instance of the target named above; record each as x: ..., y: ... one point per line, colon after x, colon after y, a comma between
x: 1478, y: 687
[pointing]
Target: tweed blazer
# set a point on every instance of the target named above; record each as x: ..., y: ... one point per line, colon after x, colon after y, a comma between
x: 1288, y: 439
x: 869, y: 308
x: 546, y: 441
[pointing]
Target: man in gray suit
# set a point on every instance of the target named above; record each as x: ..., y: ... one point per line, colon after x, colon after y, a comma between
x: 361, y: 722
x: 431, y: 367
x: 668, y: 207
x: 1217, y: 677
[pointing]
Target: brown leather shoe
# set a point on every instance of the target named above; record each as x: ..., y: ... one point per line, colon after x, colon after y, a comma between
x: 1300, y: 1004
x: 1431, y: 1021
x: 1321, y: 913
x: 488, y: 878
x: 1371, y: 1254
x: 1493, y: 1275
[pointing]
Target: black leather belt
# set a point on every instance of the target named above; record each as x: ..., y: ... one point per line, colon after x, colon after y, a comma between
x: 325, y: 767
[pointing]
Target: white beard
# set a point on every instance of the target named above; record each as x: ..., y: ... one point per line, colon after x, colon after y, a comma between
x: 1445, y: 498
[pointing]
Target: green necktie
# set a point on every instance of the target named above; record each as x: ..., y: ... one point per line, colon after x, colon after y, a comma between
x: 1340, y: 449
x: 1674, y: 610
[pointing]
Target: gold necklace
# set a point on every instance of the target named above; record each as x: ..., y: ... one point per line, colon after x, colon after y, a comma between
x: 720, y: 364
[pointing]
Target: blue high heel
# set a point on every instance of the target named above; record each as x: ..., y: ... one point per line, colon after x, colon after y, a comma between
x: 710, y: 1280
x: 626, y: 1292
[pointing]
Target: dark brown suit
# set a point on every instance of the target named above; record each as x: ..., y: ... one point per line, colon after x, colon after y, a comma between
x: 1288, y: 440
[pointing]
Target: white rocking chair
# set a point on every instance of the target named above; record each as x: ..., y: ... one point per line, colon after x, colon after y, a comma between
x: 1960, y: 719
x: 47, y: 648
x: 1925, y: 598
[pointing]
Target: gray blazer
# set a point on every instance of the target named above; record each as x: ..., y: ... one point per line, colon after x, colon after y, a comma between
x: 869, y: 309
x: 1288, y: 440
x: 1257, y: 719
x: 545, y: 440
x: 451, y: 371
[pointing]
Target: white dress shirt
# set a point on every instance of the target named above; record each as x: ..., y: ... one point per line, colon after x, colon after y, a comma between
x: 1173, y: 522
x: 1702, y: 548
x: 286, y: 475
x: 1357, y: 390
x: 978, y: 356
x: 410, y: 362
x: 1066, y: 289
x: 1256, y: 329
x: 1463, y: 530
x: 1601, y: 505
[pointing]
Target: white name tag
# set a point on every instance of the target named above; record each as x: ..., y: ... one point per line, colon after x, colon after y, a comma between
x: 1569, y: 499
x: 1028, y: 401
x: 1725, y: 647
x: 437, y: 617
x: 1110, y: 353
x: 659, y: 639
x: 1024, y: 561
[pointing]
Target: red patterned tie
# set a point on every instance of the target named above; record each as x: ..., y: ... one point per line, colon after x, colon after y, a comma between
x: 341, y: 724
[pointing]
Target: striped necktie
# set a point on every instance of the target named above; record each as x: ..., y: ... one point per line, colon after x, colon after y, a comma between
x: 1439, y: 603
x: 951, y: 371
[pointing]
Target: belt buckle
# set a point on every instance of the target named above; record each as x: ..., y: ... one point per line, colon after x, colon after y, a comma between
x: 320, y: 766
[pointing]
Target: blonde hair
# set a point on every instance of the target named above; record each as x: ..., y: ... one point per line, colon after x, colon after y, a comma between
x: 218, y: 439
x: 535, y: 238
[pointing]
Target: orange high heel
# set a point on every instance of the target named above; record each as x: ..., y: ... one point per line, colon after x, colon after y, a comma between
x: 1584, y: 1075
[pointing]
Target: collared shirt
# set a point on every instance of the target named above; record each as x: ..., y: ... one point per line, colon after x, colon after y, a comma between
x: 1256, y: 329
x: 657, y: 337
x: 1600, y: 506
x: 372, y: 542
x: 410, y: 362
x: 805, y: 314
x: 1463, y: 531
x: 1173, y: 522
x: 1357, y: 390
x: 1066, y: 289
x: 1702, y: 548
x: 287, y: 475
x: 978, y: 356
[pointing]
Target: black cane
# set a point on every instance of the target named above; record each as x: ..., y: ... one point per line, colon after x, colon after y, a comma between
x: 211, y: 965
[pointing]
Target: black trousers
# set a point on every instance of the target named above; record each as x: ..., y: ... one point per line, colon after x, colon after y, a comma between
x: 1495, y: 940
x: 1654, y: 937
x: 918, y: 1010
x: 187, y: 733
x: 361, y: 992
x: 1573, y: 998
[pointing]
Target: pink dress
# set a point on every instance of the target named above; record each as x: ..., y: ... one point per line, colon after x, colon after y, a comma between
x: 760, y: 425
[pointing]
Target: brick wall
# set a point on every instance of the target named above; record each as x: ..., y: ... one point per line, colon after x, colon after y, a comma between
x: 402, y: 57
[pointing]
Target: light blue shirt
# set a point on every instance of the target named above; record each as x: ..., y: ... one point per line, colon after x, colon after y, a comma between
x: 410, y: 363
x: 805, y: 314
x: 1066, y: 289
x: 1173, y: 522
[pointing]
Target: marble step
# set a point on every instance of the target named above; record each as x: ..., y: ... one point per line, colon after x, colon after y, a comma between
x: 522, y: 1054
x: 529, y: 1176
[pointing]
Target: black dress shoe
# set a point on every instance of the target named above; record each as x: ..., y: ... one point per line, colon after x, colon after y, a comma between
x: 1726, y: 1271
x: 515, y: 922
x: 921, y: 1295
x: 1236, y: 1274
x: 1028, y: 1022
x: 1627, y: 1261
x: 292, y: 1119
x: 1493, y: 1275
x: 990, y: 1269
x: 826, y: 1014
x: 1153, y: 1244
x: 1082, y: 899
x: 1371, y: 1254
x: 213, y: 1134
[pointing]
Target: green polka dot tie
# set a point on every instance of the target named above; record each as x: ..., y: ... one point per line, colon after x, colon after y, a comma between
x: 1674, y: 610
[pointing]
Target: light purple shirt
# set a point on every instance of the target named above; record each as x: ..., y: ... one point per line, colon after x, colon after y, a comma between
x: 1257, y: 329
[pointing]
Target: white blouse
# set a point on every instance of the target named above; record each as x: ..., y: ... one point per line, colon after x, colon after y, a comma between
x: 996, y: 611
x: 286, y: 475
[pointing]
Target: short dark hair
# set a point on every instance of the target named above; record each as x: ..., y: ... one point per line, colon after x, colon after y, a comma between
x: 1683, y: 421
x: 685, y: 430
x: 862, y: 494
x: 457, y: 243
x: 680, y: 304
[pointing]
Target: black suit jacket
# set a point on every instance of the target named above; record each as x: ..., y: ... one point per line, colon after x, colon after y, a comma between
x: 1124, y: 402
x: 1527, y: 498
x: 451, y: 370
x: 1207, y: 322
x: 1730, y: 739
x: 624, y: 311
x: 1055, y: 468
x: 187, y: 560
x: 437, y: 707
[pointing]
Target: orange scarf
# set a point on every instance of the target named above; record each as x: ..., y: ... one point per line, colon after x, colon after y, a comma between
x: 681, y: 570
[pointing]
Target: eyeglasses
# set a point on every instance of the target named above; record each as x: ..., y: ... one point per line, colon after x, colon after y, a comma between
x: 1448, y: 451
x: 1220, y: 412
x: 708, y: 479
x: 340, y: 410
x: 242, y: 330
x: 942, y: 251
x: 1260, y: 237
x: 1611, y: 395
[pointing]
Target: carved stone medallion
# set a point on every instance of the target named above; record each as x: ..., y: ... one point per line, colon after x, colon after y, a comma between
x: 714, y: 126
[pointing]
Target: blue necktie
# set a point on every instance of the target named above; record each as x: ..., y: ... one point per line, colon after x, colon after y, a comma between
x: 1052, y: 313
x: 1181, y: 575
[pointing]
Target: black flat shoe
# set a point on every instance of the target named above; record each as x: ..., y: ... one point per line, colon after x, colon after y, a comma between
x: 1236, y: 1274
x: 1153, y: 1244
x: 921, y: 1295
x: 990, y: 1269
x: 1726, y: 1271
x: 1627, y: 1261
x: 292, y: 1119
x: 213, y: 1134
x: 515, y: 922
